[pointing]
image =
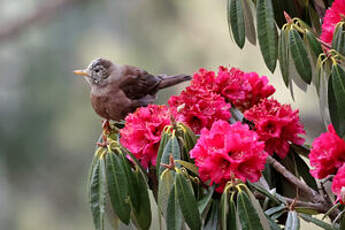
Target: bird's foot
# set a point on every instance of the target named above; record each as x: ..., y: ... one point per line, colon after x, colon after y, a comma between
x: 104, y: 143
x: 106, y: 125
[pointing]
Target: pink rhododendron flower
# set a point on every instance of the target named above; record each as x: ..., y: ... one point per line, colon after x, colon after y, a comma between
x: 199, y: 108
x: 204, y: 79
x: 333, y: 15
x: 226, y: 151
x: 327, y: 154
x: 277, y: 125
x: 242, y: 89
x: 338, y: 184
x: 142, y: 132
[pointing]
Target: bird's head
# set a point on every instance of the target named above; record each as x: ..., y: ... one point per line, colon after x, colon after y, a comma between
x: 97, y: 72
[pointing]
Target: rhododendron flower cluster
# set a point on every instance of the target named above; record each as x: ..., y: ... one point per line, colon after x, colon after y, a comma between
x: 242, y: 89
x: 142, y: 132
x: 199, y: 108
x: 327, y: 154
x: 229, y: 150
x: 333, y: 15
x: 277, y: 125
x: 338, y: 184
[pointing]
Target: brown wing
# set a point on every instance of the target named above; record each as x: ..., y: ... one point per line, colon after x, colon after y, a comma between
x: 139, y: 83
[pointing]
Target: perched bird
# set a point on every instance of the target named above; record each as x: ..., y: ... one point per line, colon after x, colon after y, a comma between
x: 117, y: 90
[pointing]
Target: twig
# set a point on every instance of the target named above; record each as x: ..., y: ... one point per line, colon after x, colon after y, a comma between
x: 43, y: 13
x: 317, y: 200
x: 294, y: 180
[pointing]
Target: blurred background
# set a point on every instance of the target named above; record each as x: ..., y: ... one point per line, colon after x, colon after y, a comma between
x: 48, y: 129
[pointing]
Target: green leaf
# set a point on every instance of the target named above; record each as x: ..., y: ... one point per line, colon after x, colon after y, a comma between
x: 131, y: 181
x: 249, y: 22
x: 303, y: 171
x: 283, y: 56
x: 163, y: 143
x: 325, y: 94
x: 166, y: 183
x: 171, y: 148
x: 248, y: 216
x: 338, y: 42
x: 204, y: 202
x: 232, y: 218
x: 337, y: 104
x: 98, y: 152
x: 143, y: 214
x: 224, y: 209
x: 174, y: 219
x: 190, y: 166
x: 306, y: 210
x: 267, y: 33
x: 292, y: 221
x: 97, y: 193
x: 300, y: 56
x: 318, y: 222
x: 264, y: 192
x: 256, y: 205
x: 117, y: 187
x: 237, y: 22
x: 187, y: 202
x: 273, y: 224
x: 314, y: 44
x: 189, y: 137
x: 275, y: 210
x: 211, y: 221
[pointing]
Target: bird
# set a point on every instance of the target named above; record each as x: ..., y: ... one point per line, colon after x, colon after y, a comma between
x: 117, y: 90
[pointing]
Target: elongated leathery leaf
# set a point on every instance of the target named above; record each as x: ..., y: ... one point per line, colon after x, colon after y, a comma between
x: 264, y: 222
x: 117, y: 187
x: 283, y: 56
x: 314, y: 44
x: 316, y: 221
x: 204, y: 202
x: 166, y: 183
x: 267, y: 33
x: 303, y: 171
x: 143, y: 216
x: 336, y: 95
x: 224, y: 209
x: 339, y: 38
x: 237, y: 22
x: 292, y: 221
x: 249, y: 21
x: 187, y: 202
x: 171, y: 148
x: 163, y: 143
x: 300, y: 56
x: 248, y: 216
x: 97, y: 193
x: 232, y: 218
x: 174, y: 219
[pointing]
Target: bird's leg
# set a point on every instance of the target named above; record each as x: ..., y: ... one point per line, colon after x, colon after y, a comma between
x: 106, y: 126
x: 106, y: 130
x: 104, y: 143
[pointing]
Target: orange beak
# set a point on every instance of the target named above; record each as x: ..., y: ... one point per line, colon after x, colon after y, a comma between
x: 81, y: 73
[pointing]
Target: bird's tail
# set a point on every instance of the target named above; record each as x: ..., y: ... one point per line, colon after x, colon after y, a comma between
x: 168, y: 81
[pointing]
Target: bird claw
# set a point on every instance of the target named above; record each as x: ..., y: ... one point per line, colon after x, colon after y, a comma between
x: 104, y: 143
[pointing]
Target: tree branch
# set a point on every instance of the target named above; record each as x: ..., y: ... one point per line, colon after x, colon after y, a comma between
x: 320, y: 203
x: 43, y: 13
x: 314, y: 196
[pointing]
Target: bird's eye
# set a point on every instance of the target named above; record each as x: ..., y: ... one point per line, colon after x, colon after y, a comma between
x: 96, y: 70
